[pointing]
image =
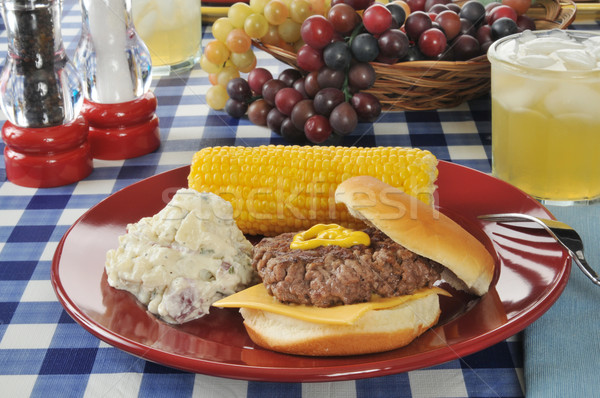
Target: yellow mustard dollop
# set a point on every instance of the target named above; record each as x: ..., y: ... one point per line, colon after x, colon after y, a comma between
x: 327, y: 235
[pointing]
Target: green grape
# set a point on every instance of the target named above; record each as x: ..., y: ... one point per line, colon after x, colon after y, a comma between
x: 221, y: 28
x: 216, y: 97
x: 238, y: 13
x: 289, y: 31
x: 258, y: 5
x: 300, y: 10
x: 208, y: 66
x: 217, y: 52
x: 271, y: 37
x: 247, y: 69
x: 243, y: 60
x: 256, y: 26
x: 297, y: 45
x: 288, y: 3
x: 228, y: 73
x: 238, y: 41
x: 276, y: 12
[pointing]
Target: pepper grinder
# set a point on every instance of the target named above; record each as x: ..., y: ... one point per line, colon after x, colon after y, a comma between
x: 41, y: 95
x: 117, y: 72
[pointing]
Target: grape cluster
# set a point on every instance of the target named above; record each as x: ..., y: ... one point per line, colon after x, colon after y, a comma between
x: 302, y: 107
x: 329, y: 98
x: 440, y: 29
x: 275, y: 22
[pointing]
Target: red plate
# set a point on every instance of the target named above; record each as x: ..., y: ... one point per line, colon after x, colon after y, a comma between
x: 531, y: 273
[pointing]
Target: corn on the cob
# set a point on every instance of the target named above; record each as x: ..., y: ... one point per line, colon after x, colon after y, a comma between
x: 276, y: 189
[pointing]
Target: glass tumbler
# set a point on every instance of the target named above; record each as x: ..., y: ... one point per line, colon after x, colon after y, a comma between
x: 546, y: 114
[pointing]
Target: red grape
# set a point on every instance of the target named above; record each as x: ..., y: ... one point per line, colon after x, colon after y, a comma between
x: 343, y: 119
x: 317, y: 129
x: 450, y: 23
x: 311, y: 84
x: 524, y: 23
x: 274, y: 120
x: 343, y: 18
x: 239, y: 90
x: 416, y: 5
x: 432, y: 42
x: 289, y: 76
x: 328, y: 77
x: 286, y: 98
x: 302, y: 111
x: 393, y: 44
x: 257, y: 77
x: 367, y: 106
x: 309, y: 58
x: 290, y: 132
x: 299, y: 85
x: 327, y: 99
x: 270, y: 89
x: 258, y: 111
x: 465, y: 47
x: 417, y: 23
x: 236, y: 108
x: 502, y: 11
x: 377, y: 19
x: 438, y: 8
x: 488, y: 10
x: 361, y: 76
x: 484, y: 34
x: 316, y: 31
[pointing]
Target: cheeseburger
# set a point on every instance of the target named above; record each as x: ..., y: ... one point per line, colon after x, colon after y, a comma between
x: 334, y: 291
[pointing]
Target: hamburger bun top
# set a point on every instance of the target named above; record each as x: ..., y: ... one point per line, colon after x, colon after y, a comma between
x: 421, y: 229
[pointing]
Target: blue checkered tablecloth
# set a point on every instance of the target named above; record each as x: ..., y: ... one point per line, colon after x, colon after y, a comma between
x: 43, y: 352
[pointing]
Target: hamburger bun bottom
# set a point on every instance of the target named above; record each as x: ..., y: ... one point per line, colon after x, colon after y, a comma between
x: 376, y: 331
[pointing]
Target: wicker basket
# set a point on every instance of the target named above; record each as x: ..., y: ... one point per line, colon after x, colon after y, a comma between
x: 421, y: 85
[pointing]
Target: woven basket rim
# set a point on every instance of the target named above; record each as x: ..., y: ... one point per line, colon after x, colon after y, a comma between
x: 433, y: 84
x: 564, y: 5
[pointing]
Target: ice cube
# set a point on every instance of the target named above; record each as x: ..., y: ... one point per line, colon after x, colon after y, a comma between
x: 592, y: 42
x: 578, y: 59
x: 569, y: 97
x: 558, y: 34
x: 526, y: 36
x: 515, y: 94
x: 548, y: 45
x: 536, y: 61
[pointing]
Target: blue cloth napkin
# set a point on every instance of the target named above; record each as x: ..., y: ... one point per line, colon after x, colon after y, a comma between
x: 562, y: 348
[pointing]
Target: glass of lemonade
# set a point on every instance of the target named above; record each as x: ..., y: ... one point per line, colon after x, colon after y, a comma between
x: 546, y: 114
x: 172, y: 31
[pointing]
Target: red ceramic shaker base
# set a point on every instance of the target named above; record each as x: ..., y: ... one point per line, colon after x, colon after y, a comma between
x: 47, y: 156
x: 123, y: 130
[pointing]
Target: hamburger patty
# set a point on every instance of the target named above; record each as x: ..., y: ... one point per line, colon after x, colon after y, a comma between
x: 330, y: 275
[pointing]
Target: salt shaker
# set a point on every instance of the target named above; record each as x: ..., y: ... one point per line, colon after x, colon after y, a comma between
x: 41, y: 95
x: 116, y: 70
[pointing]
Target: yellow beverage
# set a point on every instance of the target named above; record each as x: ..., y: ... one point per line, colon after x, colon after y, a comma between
x: 172, y: 31
x: 546, y: 126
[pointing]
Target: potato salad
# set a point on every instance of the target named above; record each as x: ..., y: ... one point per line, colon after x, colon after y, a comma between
x: 184, y: 258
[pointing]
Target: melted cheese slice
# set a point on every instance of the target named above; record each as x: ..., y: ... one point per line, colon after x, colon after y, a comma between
x: 257, y: 297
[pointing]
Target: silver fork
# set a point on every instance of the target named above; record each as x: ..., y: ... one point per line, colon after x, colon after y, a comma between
x: 563, y: 233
